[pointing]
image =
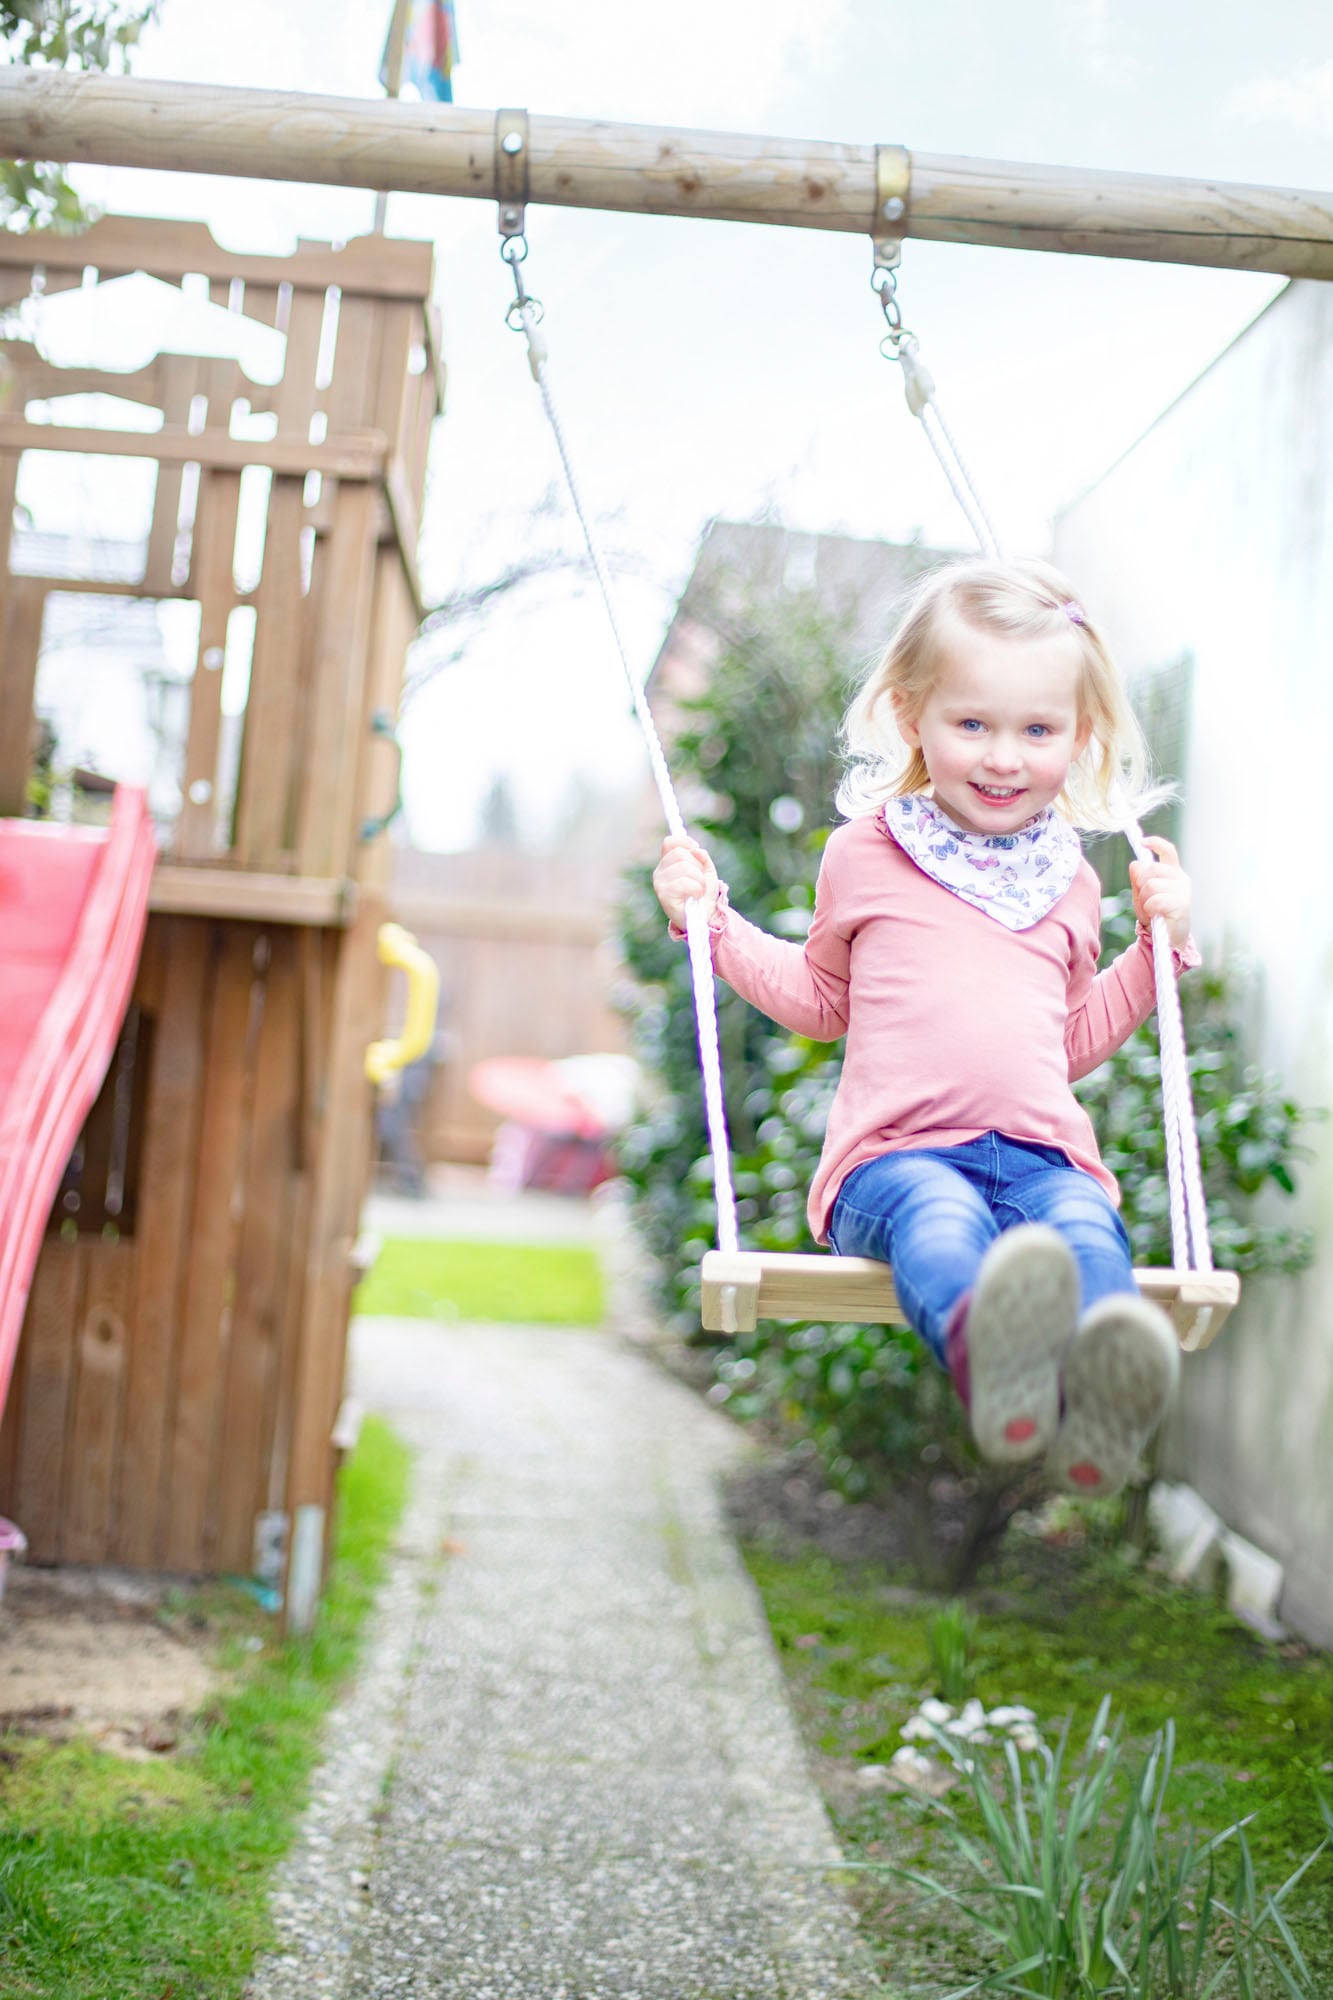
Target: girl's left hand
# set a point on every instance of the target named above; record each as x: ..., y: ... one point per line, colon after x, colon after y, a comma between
x: 1162, y: 889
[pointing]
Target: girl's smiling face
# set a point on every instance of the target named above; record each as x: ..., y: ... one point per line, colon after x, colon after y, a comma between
x: 1000, y: 726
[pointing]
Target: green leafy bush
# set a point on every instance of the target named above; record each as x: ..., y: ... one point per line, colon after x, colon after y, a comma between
x: 60, y: 34
x: 1248, y: 1125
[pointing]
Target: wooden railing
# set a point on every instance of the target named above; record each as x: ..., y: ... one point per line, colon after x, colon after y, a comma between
x: 337, y: 586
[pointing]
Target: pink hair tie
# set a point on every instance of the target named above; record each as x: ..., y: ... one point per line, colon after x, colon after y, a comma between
x: 1073, y: 612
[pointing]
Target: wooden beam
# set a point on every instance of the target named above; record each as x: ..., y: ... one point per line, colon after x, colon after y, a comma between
x: 406, y: 529
x: 359, y: 457
x: 22, y: 610
x: 499, y: 916
x: 251, y: 898
x: 380, y: 266
x: 92, y: 586
x: 585, y: 163
x: 340, y: 1165
x: 217, y: 508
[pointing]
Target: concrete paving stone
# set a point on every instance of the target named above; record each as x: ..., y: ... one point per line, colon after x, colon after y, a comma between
x: 526, y: 1719
x: 578, y: 1808
x: 579, y: 1779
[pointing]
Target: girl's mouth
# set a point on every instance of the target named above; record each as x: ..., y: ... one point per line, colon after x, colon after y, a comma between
x: 998, y: 795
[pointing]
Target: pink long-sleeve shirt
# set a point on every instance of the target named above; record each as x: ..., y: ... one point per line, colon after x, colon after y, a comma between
x: 955, y: 1024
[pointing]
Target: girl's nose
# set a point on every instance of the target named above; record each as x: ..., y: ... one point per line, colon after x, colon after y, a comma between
x: 1003, y: 756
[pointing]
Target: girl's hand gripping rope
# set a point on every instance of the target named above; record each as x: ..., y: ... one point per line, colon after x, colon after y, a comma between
x: 1162, y: 889
x: 684, y: 873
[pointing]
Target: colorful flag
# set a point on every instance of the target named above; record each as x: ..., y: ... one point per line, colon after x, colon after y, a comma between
x: 430, y: 49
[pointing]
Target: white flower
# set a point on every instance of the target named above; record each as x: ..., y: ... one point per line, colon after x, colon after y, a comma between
x: 1003, y: 1718
x: 938, y: 1712
x: 915, y: 1729
x: 1024, y: 1738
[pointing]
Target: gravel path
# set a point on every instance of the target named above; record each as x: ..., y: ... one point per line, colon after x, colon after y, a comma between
x: 568, y: 1771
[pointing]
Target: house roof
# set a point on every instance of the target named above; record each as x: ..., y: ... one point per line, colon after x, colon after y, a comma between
x: 859, y: 579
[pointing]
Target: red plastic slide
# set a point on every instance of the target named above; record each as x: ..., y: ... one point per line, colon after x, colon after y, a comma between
x: 73, y: 904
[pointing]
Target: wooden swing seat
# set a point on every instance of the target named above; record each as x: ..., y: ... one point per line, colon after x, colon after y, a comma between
x: 769, y: 1284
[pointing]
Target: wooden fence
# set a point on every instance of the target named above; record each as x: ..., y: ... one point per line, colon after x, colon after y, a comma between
x: 528, y: 967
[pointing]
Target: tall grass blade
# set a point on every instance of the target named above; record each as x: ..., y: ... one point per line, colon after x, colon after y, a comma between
x: 1275, y: 1916
x: 1142, y: 1923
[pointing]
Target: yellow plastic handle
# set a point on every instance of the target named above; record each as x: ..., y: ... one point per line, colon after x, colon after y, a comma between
x: 398, y: 947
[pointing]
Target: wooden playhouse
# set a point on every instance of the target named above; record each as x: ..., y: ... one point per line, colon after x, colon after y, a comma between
x: 180, y: 1371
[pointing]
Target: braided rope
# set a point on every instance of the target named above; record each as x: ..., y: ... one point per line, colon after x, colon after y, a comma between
x: 696, y: 924
x: 1190, y: 1248
x: 958, y: 476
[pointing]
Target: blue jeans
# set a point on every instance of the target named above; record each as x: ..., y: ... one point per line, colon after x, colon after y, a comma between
x: 933, y: 1214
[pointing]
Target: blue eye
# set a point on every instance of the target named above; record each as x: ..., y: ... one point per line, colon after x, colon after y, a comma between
x: 970, y: 723
x: 1038, y: 729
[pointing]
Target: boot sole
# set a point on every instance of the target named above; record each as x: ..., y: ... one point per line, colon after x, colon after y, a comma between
x: 1119, y: 1376
x: 1019, y: 1324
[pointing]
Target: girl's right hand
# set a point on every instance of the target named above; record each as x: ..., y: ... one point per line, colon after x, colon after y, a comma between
x: 684, y: 872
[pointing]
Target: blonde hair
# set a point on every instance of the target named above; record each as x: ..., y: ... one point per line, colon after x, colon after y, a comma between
x: 1018, y: 600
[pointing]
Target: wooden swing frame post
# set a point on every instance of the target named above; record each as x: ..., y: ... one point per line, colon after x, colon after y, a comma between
x: 658, y: 170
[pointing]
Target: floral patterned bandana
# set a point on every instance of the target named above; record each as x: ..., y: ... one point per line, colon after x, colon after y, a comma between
x: 1014, y: 877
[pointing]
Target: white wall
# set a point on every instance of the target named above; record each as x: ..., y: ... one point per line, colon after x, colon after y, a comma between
x: 1214, y: 536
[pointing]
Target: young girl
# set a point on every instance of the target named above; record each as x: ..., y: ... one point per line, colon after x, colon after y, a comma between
x: 954, y: 942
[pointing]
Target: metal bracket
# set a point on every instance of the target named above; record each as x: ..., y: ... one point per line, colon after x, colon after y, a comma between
x: 511, y: 169
x: 893, y: 191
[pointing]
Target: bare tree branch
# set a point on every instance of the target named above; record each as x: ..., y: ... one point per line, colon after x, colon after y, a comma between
x: 457, y: 614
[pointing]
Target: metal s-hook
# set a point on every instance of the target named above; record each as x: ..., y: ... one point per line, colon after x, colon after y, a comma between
x: 525, y: 314
x: 893, y: 187
x: 511, y: 186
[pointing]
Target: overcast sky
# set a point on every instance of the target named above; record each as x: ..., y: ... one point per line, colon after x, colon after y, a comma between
x: 720, y: 369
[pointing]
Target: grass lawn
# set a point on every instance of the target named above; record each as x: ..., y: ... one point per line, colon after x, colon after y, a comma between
x: 1254, y: 1722
x: 547, y: 1284
x: 149, y: 1880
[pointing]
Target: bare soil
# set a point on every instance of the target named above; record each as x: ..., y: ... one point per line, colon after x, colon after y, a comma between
x: 120, y: 1659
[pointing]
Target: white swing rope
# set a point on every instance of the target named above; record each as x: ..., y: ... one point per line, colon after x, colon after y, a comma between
x: 524, y: 316
x: 1190, y: 1247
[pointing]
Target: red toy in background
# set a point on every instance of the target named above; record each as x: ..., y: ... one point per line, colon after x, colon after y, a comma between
x: 559, y: 1119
